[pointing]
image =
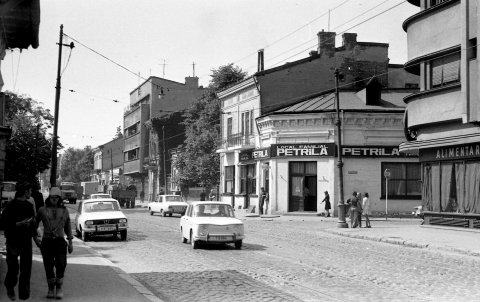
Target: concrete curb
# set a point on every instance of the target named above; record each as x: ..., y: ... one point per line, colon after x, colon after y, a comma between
x: 404, y: 242
x: 134, y: 283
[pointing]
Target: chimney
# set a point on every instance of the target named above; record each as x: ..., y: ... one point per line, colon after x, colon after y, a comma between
x: 191, y: 82
x: 349, y: 40
x: 373, y: 92
x: 260, y: 60
x: 326, y: 43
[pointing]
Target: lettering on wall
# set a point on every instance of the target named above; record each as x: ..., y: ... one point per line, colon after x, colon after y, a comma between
x: 465, y: 151
x: 301, y: 150
x: 373, y: 151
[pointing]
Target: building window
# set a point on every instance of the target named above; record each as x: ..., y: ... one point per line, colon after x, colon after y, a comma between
x: 132, y: 130
x: 229, y: 179
x: 131, y: 155
x: 445, y: 70
x: 229, y: 127
x: 437, y: 2
x: 405, y: 181
x: 246, y: 124
x: 248, y: 179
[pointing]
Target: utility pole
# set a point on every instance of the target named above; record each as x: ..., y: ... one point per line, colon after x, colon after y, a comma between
x: 341, y: 205
x: 53, y: 169
x: 111, y: 163
x: 164, y: 165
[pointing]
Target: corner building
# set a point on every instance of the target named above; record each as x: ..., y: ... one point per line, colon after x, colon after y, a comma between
x: 442, y: 120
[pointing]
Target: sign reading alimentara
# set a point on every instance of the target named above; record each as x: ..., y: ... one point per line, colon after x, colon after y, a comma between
x: 372, y: 151
x: 302, y: 150
x: 456, y: 152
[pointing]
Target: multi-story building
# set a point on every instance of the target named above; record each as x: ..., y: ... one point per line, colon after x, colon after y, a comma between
x: 443, y: 118
x: 153, y: 98
x: 252, y: 129
x: 108, y: 162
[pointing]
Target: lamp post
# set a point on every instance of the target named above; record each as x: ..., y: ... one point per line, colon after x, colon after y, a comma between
x: 341, y: 205
x: 53, y: 170
x: 164, y: 166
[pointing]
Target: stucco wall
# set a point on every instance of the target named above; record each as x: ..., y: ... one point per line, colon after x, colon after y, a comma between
x: 435, y: 108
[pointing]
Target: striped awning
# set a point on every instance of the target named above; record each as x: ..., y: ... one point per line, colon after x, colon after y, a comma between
x: 414, y: 146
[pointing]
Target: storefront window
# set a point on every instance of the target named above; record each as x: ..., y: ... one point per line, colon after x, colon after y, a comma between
x: 404, y: 182
x: 248, y: 179
x: 229, y: 179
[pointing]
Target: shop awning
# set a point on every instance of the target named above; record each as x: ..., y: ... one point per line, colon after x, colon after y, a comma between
x: 414, y: 146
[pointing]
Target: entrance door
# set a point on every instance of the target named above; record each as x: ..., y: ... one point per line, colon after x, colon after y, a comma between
x: 303, y: 186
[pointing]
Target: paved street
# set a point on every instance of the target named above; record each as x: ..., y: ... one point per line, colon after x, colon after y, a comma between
x: 286, y: 259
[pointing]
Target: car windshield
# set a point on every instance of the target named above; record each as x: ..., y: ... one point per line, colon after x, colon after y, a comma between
x: 65, y: 187
x: 101, y: 206
x: 8, y: 187
x: 213, y: 210
x: 173, y: 198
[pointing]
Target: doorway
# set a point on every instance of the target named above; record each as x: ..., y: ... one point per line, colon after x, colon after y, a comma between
x: 303, y: 186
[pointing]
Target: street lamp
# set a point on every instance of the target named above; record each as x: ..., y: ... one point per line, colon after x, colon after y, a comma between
x: 341, y: 205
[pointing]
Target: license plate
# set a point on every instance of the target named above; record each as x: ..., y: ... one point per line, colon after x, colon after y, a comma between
x: 220, y: 238
x: 109, y: 228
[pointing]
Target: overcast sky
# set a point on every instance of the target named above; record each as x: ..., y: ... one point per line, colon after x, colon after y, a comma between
x: 142, y: 35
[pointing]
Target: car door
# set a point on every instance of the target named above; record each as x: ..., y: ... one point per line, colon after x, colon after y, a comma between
x: 156, y: 204
x: 79, y: 212
x: 186, y: 222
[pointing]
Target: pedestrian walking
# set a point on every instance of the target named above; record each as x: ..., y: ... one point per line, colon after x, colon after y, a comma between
x: 359, y: 209
x: 37, y: 196
x: 366, y: 209
x: 263, y: 201
x: 203, y: 195
x: 18, y: 222
x: 56, y: 223
x: 211, y: 196
x: 353, y: 202
x: 327, y: 204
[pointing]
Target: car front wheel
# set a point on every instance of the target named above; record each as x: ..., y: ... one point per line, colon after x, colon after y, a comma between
x: 84, y: 236
x: 123, y: 235
x: 164, y: 214
x: 184, y: 240
x: 193, y: 242
x: 151, y: 212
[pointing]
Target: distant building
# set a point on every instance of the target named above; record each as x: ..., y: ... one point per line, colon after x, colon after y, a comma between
x: 108, y: 162
x: 290, y: 109
x: 443, y: 118
x: 153, y: 98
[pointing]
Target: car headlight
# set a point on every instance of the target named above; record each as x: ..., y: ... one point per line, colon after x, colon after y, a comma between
x: 89, y: 222
x: 124, y: 220
x: 203, y: 229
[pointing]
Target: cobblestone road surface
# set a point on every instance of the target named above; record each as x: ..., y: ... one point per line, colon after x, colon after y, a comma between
x: 286, y: 260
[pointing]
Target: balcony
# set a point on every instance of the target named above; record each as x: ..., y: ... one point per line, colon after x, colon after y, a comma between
x: 237, y: 141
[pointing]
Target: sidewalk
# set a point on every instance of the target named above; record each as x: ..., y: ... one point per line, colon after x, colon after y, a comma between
x: 89, y: 277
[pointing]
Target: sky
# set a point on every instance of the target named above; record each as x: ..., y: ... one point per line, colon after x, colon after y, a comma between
x: 119, y: 43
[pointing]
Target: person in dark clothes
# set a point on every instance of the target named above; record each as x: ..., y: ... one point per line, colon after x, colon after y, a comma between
x: 37, y: 196
x: 327, y: 204
x: 18, y: 222
x: 203, y: 195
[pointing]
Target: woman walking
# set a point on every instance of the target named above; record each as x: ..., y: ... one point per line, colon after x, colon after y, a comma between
x: 366, y: 210
x: 327, y: 204
x: 56, y: 223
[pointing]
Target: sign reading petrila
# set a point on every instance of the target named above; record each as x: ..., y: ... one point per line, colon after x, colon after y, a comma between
x: 300, y: 150
x: 450, y: 152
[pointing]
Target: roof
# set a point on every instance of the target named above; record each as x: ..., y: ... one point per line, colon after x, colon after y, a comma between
x: 391, y: 100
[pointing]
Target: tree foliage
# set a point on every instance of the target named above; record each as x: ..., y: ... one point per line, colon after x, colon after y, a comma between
x: 198, y: 162
x: 77, y: 164
x: 118, y: 133
x: 28, y: 152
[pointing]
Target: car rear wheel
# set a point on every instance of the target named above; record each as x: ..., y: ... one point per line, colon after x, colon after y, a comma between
x: 238, y: 244
x: 151, y: 212
x: 123, y: 235
x: 193, y: 242
x: 184, y: 240
x: 169, y: 214
x: 163, y: 213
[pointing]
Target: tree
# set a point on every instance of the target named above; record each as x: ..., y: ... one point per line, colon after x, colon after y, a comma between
x: 28, y: 152
x: 77, y: 164
x: 198, y: 163
x: 118, y: 133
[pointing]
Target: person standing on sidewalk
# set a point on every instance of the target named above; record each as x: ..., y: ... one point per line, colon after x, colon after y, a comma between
x: 327, y: 204
x: 366, y: 209
x: 37, y: 196
x: 18, y: 222
x: 263, y: 201
x: 56, y: 224
x: 353, y: 202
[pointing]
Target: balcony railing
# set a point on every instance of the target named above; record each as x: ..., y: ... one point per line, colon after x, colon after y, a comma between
x: 237, y: 140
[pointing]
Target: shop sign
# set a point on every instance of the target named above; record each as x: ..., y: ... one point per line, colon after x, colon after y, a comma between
x: 302, y: 150
x: 254, y: 154
x: 373, y: 151
x: 456, y: 152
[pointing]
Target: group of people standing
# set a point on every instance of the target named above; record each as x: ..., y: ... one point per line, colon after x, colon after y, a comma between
x: 20, y: 221
x: 358, y: 207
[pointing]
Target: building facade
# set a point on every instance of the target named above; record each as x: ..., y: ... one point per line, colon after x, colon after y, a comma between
x: 153, y: 98
x: 272, y: 138
x: 442, y: 120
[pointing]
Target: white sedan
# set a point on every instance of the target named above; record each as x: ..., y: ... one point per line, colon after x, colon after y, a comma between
x: 168, y: 205
x: 211, y: 222
x: 100, y: 216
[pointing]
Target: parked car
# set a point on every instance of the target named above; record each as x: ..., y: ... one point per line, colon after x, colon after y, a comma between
x: 99, y: 195
x: 100, y: 216
x: 168, y: 205
x: 211, y: 222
